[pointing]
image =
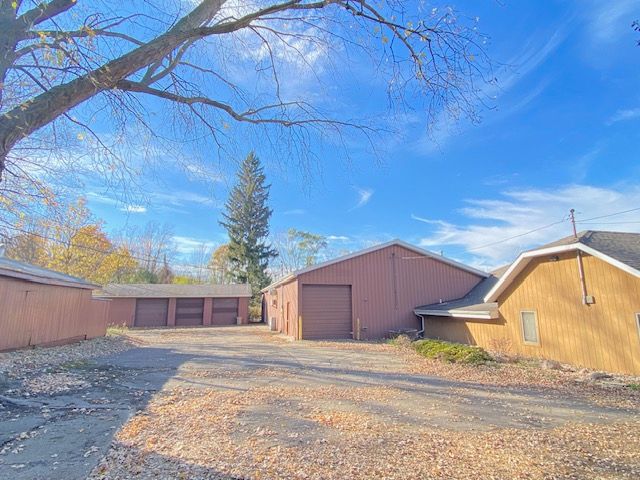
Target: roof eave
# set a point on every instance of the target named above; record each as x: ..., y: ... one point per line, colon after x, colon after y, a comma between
x: 523, y: 260
x: 47, y: 280
x: 375, y: 248
x: 473, y: 314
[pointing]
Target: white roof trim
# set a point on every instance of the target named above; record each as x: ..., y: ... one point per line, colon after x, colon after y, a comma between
x: 457, y: 313
x: 523, y: 260
x: 375, y: 248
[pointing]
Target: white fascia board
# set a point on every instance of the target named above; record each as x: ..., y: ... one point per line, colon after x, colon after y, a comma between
x: 523, y: 260
x: 484, y: 315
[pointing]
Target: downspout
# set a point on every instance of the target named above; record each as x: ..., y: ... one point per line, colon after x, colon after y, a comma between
x: 421, y: 332
x: 583, y: 284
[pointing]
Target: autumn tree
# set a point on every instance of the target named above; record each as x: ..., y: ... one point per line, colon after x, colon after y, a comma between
x: 153, y: 247
x: 72, y: 241
x: 298, y: 249
x: 135, y: 67
x: 220, y: 265
x: 246, y: 219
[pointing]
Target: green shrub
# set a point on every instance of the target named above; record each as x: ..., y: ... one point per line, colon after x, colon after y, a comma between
x: 451, y: 352
x: 634, y: 386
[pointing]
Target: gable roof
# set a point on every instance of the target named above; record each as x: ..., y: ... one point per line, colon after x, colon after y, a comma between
x: 32, y: 273
x: 375, y: 248
x: 620, y: 249
x: 163, y: 290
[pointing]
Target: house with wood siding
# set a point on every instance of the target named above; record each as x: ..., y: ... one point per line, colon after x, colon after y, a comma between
x: 366, y: 294
x: 576, y: 301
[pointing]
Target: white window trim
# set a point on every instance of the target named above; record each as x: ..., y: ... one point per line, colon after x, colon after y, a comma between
x: 535, y: 321
x: 638, y: 323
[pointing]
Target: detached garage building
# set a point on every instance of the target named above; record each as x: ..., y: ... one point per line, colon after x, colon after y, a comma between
x: 168, y: 305
x: 43, y: 307
x: 366, y: 294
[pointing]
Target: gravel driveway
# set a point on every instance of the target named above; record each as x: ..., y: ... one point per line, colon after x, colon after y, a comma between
x: 240, y: 403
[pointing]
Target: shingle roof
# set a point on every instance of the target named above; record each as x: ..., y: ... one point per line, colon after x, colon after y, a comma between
x: 620, y: 249
x: 26, y: 271
x: 471, y: 302
x: 622, y: 246
x: 150, y: 290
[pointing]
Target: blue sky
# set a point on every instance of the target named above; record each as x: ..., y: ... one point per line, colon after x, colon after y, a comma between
x: 562, y: 132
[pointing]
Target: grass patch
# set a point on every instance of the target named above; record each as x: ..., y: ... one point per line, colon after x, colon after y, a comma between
x: 451, y: 352
x: 117, y: 329
x: 634, y: 386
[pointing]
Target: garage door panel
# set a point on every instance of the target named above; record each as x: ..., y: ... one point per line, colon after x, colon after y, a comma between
x: 189, y: 311
x: 326, y: 312
x: 224, y: 311
x: 151, y: 312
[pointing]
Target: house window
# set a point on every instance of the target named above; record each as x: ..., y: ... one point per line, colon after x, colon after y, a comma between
x: 529, y: 323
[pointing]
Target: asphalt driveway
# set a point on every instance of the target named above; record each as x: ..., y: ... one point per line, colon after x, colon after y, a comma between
x: 239, y: 402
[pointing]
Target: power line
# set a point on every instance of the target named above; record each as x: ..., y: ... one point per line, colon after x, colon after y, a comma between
x: 610, y: 215
x: 517, y: 236
x: 105, y: 252
x: 606, y: 223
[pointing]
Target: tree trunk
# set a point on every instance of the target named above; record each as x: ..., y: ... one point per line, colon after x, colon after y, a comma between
x: 25, y: 119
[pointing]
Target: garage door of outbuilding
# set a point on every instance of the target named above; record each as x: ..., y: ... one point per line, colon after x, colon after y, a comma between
x: 151, y: 312
x: 326, y: 312
x: 224, y: 311
x: 189, y: 311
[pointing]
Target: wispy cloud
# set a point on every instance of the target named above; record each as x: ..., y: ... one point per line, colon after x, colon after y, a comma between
x: 609, y: 21
x: 196, y: 171
x: 134, y: 209
x: 364, y: 195
x: 515, y: 213
x: 294, y: 211
x: 338, y: 238
x: 523, y: 63
x: 188, y: 245
x: 624, y: 115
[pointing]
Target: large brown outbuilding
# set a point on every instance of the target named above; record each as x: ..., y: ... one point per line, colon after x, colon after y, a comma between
x: 366, y: 294
x: 168, y: 305
x: 43, y: 307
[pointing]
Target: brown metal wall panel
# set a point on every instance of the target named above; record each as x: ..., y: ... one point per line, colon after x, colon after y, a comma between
x: 387, y: 284
x: 225, y: 311
x: 189, y: 311
x: 38, y: 314
x: 327, y: 312
x: 151, y: 312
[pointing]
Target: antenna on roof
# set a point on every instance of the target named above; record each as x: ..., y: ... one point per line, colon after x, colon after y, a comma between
x: 572, y: 217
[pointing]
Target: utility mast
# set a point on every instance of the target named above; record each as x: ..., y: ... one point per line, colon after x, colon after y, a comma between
x: 572, y: 217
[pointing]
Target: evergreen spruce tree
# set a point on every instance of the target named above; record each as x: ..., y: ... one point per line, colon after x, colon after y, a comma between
x: 246, y: 219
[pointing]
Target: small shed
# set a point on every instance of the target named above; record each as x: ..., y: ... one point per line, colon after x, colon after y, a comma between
x: 366, y: 294
x: 169, y: 305
x: 44, y: 307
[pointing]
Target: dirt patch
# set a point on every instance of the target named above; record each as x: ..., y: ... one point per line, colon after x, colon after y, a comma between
x: 189, y: 434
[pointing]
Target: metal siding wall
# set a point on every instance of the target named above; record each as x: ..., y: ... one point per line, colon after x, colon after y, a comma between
x: 243, y: 309
x: 602, y: 336
x: 122, y: 311
x: 35, y: 314
x: 285, y: 293
x: 420, y: 280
